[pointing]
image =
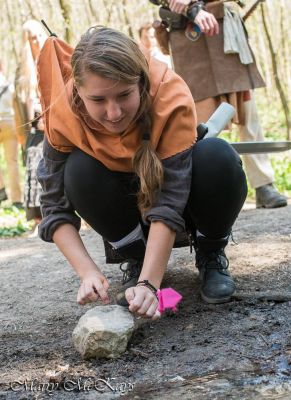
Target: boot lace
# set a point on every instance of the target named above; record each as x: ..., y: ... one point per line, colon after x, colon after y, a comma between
x: 130, y: 269
x: 215, y: 260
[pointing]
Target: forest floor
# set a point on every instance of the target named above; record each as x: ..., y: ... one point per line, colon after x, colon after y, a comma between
x: 239, y: 350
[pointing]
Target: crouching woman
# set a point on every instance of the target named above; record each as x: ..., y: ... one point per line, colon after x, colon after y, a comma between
x: 121, y: 151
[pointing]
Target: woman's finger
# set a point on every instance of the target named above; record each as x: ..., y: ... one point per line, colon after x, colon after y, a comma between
x: 101, y: 291
x: 93, y: 296
x: 152, y: 309
x: 136, y: 302
x: 156, y: 315
x: 89, y: 294
x: 105, y: 284
x: 129, y: 294
x: 81, y: 296
x: 147, y: 303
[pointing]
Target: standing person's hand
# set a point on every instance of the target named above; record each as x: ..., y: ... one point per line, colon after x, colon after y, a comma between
x: 143, y: 302
x: 205, y: 20
x: 178, y: 6
x: 94, y: 287
x: 207, y: 23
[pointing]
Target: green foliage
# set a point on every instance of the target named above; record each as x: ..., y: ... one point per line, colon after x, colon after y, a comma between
x: 274, y: 128
x: 272, y: 117
x: 282, y: 168
x: 13, y: 222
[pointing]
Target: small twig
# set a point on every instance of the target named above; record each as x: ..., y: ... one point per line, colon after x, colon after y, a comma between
x: 279, y: 297
x: 264, y: 339
x: 139, y: 353
x: 272, y: 355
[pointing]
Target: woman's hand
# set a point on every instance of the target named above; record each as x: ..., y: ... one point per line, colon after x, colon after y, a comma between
x: 143, y: 302
x: 207, y: 23
x: 178, y: 6
x: 94, y: 287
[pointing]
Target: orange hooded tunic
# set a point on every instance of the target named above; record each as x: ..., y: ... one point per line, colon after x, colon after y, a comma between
x: 173, y: 113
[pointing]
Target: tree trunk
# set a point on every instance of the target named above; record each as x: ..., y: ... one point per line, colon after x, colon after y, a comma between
x: 275, y: 73
x: 284, y: 42
x: 66, y: 11
x: 31, y: 12
x: 126, y: 19
x: 11, y: 31
x: 263, y: 58
x: 93, y: 11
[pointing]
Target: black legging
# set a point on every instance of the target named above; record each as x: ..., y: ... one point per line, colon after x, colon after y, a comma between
x: 106, y: 199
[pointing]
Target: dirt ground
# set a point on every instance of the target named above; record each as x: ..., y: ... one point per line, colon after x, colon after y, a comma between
x: 239, y: 350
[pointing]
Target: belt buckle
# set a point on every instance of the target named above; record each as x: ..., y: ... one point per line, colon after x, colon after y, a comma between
x: 192, y: 32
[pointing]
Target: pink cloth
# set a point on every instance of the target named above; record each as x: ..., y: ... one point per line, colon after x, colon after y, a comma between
x: 168, y: 298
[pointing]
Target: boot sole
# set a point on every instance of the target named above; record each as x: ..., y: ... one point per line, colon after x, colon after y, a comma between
x: 277, y: 205
x: 219, y: 300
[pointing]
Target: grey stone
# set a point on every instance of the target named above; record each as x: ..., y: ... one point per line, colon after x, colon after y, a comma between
x: 103, y: 332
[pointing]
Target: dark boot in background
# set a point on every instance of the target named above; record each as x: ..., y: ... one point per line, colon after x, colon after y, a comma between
x: 133, y: 255
x: 267, y: 196
x: 217, y: 286
x: 3, y: 195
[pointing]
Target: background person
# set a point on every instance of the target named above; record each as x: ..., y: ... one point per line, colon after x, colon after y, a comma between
x: 8, y: 139
x: 148, y: 40
x: 214, y: 76
x: 33, y: 37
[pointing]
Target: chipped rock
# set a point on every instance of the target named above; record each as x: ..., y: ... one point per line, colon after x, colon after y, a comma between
x: 103, y: 332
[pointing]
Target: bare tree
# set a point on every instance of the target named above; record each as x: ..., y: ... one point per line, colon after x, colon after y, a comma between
x: 65, y: 6
x: 31, y: 9
x: 11, y: 27
x: 275, y: 73
x: 92, y: 10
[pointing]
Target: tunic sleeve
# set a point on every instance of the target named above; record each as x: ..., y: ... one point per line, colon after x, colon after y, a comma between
x: 172, y: 199
x: 56, y: 208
